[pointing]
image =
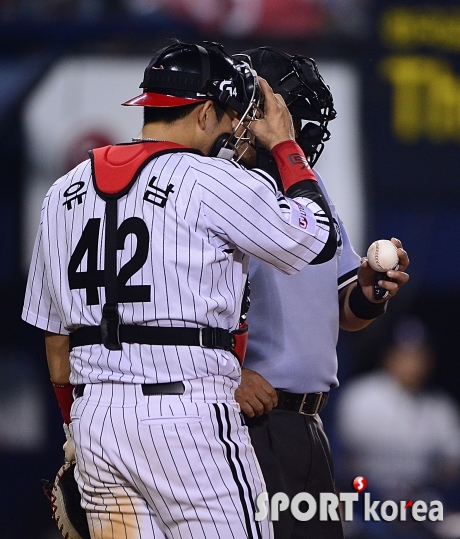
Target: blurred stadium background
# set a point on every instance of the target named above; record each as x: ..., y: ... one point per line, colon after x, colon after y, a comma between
x: 392, y: 166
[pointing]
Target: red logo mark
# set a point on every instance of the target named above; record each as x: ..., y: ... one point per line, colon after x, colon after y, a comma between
x: 359, y: 483
x: 297, y: 159
x: 408, y: 504
x: 303, y: 223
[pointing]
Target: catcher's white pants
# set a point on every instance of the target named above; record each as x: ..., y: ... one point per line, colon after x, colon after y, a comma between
x: 171, y: 466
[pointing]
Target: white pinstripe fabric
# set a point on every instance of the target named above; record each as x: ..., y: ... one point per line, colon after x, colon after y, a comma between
x: 165, y: 466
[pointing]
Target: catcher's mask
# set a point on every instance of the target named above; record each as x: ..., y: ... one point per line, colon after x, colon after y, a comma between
x: 183, y: 74
x: 303, y: 89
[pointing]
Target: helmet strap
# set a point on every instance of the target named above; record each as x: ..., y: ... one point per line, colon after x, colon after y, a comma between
x: 205, y: 65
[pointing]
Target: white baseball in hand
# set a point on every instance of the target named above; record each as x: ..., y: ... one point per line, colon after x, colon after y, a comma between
x: 382, y: 255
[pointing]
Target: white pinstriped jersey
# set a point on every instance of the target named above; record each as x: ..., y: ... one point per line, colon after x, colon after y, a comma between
x: 185, y: 230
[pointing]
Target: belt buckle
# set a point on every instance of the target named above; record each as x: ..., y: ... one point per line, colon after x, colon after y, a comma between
x: 319, y: 394
x: 211, y: 338
x: 200, y: 338
x: 206, y: 337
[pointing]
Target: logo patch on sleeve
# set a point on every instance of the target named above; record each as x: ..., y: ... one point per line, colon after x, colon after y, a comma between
x: 302, y: 217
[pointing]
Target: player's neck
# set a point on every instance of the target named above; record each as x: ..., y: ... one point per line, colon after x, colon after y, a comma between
x: 177, y: 132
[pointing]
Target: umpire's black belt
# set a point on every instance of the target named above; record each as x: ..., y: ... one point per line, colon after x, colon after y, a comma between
x: 167, y: 388
x: 303, y: 403
x: 205, y: 337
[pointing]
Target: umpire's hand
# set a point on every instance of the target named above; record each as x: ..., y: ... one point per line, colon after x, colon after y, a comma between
x: 255, y: 395
x: 399, y: 277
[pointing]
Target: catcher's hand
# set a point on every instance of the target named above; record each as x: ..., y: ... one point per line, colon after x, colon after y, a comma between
x: 69, y: 447
x: 64, y: 497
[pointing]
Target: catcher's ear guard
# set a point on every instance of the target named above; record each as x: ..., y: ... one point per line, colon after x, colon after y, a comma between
x: 64, y: 497
x: 222, y: 147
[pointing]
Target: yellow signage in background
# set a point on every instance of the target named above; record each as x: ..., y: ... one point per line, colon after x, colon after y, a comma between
x: 422, y: 26
x: 425, y: 98
x: 425, y: 89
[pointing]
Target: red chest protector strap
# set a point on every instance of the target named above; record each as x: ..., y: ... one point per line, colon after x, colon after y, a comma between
x: 115, y: 168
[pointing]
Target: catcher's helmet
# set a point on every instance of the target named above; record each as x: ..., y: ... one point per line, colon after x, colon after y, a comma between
x: 303, y: 89
x: 183, y: 74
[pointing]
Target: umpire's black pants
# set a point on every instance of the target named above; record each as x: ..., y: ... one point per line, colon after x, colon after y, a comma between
x: 295, y: 456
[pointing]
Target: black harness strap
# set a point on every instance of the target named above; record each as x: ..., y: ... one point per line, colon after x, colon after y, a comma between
x: 110, y: 323
x: 205, y: 337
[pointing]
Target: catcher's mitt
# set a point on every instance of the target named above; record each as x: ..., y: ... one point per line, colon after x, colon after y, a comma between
x: 64, y: 497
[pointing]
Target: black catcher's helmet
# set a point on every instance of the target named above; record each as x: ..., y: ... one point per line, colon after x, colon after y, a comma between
x: 184, y: 73
x: 306, y: 94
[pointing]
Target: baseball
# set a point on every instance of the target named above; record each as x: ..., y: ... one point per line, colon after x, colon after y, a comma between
x: 382, y: 255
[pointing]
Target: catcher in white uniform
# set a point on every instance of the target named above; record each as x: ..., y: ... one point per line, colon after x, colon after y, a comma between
x: 139, y: 268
